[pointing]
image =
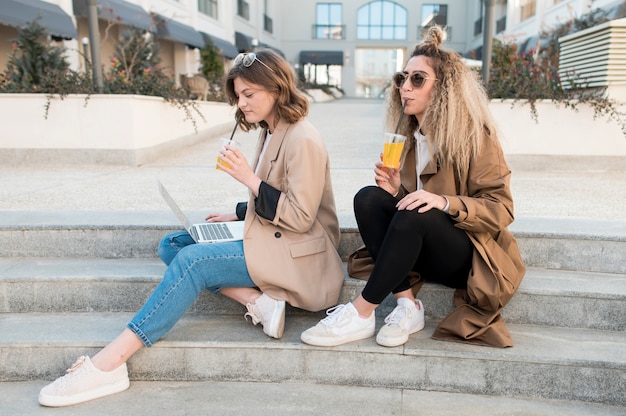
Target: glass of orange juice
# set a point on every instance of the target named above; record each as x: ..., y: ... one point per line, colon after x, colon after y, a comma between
x: 393, y: 150
x: 229, y: 142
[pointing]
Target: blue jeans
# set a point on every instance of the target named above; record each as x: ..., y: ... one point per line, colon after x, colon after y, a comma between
x: 191, y: 269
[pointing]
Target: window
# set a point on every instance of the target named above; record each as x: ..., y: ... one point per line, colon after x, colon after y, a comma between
x: 381, y: 19
x: 328, y: 21
x: 527, y: 9
x: 208, y: 7
x: 268, y: 24
x: 501, y: 24
x: 478, y: 23
x: 243, y: 9
x: 435, y: 14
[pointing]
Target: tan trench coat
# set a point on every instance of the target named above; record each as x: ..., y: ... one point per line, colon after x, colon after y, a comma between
x: 482, y: 205
x: 294, y: 255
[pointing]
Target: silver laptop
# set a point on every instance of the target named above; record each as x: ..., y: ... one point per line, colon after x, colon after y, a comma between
x: 205, y: 232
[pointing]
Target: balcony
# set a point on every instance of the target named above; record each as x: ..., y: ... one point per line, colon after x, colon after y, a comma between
x: 328, y: 32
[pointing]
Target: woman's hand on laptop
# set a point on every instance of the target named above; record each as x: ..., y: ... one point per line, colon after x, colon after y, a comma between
x: 221, y: 217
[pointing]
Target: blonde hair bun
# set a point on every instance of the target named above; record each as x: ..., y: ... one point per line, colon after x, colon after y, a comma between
x: 434, y: 36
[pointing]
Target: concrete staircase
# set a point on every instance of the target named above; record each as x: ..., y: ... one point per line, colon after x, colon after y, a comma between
x: 69, y: 282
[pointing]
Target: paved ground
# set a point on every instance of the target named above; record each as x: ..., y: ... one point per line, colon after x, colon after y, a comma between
x: 289, y: 399
x: 543, y: 186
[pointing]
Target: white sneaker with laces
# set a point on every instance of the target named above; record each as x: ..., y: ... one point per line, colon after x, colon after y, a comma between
x: 342, y: 325
x: 407, y: 318
x: 270, y: 313
x: 84, y: 382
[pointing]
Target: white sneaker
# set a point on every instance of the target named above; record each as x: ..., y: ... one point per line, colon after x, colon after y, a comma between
x: 407, y: 318
x: 84, y: 382
x: 343, y: 324
x: 270, y: 313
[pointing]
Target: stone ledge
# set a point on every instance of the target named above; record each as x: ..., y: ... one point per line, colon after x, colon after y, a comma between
x: 107, y: 129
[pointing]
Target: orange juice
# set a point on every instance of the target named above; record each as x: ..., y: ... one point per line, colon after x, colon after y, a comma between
x: 391, y: 154
x: 229, y: 142
x: 217, y: 165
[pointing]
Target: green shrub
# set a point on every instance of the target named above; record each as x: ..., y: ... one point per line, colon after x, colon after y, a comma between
x: 535, y: 75
x: 213, y: 70
x: 37, y: 67
x: 34, y: 66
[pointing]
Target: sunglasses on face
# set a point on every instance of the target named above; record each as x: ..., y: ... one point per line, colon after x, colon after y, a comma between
x: 417, y: 79
x: 248, y: 59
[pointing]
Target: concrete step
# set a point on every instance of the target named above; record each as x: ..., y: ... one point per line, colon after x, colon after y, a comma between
x: 556, y: 243
x: 291, y: 398
x: 546, y: 297
x: 545, y: 363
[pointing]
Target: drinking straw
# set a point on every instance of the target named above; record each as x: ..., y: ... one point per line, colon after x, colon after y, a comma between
x: 401, y: 115
x: 235, y: 128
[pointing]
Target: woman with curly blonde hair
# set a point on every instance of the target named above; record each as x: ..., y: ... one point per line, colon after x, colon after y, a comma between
x: 441, y: 218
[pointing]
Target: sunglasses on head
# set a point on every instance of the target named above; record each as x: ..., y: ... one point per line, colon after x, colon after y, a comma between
x: 417, y: 79
x: 248, y: 59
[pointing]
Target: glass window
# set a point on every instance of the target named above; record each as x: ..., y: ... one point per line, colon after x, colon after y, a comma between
x: 328, y: 21
x: 208, y: 7
x: 434, y: 14
x: 381, y: 19
x: 243, y: 9
x: 527, y: 9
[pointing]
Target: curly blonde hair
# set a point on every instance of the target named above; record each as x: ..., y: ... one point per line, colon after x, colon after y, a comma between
x: 457, y: 116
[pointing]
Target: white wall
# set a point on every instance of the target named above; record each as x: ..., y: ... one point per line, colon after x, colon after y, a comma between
x: 131, y: 128
x: 557, y: 131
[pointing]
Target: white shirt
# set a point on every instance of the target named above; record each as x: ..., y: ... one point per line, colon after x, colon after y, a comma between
x: 422, y: 156
x: 268, y: 137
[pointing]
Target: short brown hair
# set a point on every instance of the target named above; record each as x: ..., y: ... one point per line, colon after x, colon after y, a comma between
x: 291, y: 104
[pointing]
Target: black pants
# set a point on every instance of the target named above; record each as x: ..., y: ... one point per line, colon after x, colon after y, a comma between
x: 401, y: 241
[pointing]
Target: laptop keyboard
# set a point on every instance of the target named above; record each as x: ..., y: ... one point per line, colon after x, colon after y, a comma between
x: 212, y: 231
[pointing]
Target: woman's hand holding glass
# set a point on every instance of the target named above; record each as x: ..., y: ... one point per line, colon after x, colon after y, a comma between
x: 233, y: 162
x: 387, y: 178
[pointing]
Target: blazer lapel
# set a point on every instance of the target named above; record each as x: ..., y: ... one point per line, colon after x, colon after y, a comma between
x: 271, y: 153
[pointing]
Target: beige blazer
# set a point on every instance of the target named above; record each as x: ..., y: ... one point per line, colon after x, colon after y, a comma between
x: 294, y: 256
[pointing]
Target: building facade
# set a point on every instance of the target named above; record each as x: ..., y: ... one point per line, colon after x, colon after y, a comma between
x: 352, y: 44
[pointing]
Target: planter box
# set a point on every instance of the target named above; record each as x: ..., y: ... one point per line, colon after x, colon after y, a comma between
x: 116, y: 129
x: 132, y: 130
x: 557, y: 131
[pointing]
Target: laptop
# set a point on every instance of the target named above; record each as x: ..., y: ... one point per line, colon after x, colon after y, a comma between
x: 205, y: 232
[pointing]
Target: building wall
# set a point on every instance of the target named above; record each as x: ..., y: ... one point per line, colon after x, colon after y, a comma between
x: 298, y: 18
x: 292, y: 23
x: 548, y: 15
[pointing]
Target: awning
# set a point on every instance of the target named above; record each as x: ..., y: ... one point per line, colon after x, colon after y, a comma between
x: 278, y: 51
x: 17, y: 13
x: 321, y: 57
x: 243, y: 42
x: 227, y: 49
x: 172, y: 30
x: 119, y: 11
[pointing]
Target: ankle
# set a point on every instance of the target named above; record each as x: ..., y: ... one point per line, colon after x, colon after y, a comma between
x: 403, y: 301
x: 105, y: 365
